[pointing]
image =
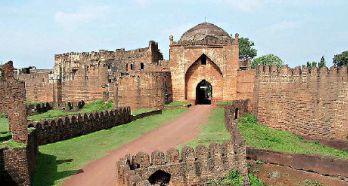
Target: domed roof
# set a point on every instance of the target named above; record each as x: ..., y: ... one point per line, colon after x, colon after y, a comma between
x: 207, y: 32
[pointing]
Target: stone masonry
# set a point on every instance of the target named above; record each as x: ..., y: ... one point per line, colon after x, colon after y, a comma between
x: 309, y: 102
x: 12, y: 98
x: 193, y: 166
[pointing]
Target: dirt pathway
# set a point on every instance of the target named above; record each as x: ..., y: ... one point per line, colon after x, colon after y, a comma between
x: 102, y: 172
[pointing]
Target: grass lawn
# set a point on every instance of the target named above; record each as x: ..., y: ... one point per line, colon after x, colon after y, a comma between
x: 213, y: 131
x: 60, y: 160
x: 142, y: 110
x: 3, y: 124
x: 177, y: 104
x: 261, y: 136
x: 224, y: 103
x: 89, y: 107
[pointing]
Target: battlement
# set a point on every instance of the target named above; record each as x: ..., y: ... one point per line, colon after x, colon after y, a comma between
x: 285, y: 71
x: 50, y: 131
x: 106, y: 54
x: 191, y: 166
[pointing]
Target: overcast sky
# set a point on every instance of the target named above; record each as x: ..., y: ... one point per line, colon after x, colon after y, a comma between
x: 31, y: 32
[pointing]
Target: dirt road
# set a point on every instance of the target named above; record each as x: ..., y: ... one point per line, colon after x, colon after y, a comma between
x: 102, y: 172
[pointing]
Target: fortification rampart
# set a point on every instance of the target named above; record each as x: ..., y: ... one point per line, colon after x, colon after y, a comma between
x: 309, y: 102
x: 191, y: 167
x: 38, y: 85
x: 73, y: 126
x: 16, y: 164
x: 12, y: 98
x: 143, y: 90
x: 101, y: 54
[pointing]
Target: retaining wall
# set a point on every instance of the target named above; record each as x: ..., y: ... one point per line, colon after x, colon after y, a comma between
x: 318, y: 164
x: 73, y: 126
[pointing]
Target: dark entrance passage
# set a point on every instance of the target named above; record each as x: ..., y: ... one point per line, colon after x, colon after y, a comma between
x: 159, y: 178
x: 204, y: 92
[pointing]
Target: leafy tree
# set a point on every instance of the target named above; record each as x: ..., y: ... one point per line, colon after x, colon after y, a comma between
x: 341, y: 59
x: 322, y: 62
x: 246, y: 48
x: 269, y: 59
x: 311, y: 64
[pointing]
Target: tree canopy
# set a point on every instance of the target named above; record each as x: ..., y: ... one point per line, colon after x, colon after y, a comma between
x: 322, y: 62
x: 269, y: 59
x: 341, y: 59
x: 246, y: 48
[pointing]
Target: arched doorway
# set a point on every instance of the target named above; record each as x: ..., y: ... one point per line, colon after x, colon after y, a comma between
x: 204, y: 92
x: 203, y: 69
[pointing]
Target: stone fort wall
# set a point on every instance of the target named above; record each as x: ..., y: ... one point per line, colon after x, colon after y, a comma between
x: 59, y: 129
x: 309, y: 102
x: 37, y: 85
x: 143, y: 90
x: 193, y: 166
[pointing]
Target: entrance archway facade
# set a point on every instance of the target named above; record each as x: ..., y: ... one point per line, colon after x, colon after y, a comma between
x: 203, y: 81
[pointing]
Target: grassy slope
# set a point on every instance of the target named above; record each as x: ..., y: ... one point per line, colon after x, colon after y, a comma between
x: 260, y: 136
x: 142, y: 110
x: 177, y: 104
x: 90, y: 107
x: 3, y: 124
x: 213, y: 131
x: 59, y: 160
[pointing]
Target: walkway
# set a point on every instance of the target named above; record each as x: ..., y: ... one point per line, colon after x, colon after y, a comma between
x: 102, y: 172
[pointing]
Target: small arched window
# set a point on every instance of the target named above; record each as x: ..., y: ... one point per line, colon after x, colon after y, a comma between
x: 132, y: 66
x: 236, y: 112
x: 127, y: 67
x: 142, y: 66
x: 204, y: 59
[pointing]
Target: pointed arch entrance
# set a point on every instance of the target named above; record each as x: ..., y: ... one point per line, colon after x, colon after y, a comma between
x: 204, y: 92
x: 203, y: 81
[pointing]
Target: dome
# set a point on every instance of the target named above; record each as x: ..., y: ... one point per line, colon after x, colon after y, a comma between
x: 205, y: 33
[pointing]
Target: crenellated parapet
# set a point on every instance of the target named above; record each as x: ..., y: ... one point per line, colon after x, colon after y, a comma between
x: 100, y: 55
x: 301, y: 72
x: 191, y: 166
x: 62, y: 128
x: 310, y: 102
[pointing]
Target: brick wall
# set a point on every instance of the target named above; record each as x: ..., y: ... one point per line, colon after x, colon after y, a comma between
x: 37, y: 85
x: 12, y: 98
x: 17, y: 165
x: 72, y: 126
x: 221, y: 69
x: 308, y: 102
x: 245, y: 84
x: 191, y: 167
x: 143, y: 90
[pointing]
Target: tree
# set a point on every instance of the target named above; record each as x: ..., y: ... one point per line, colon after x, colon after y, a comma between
x: 311, y: 64
x: 341, y: 59
x: 246, y: 50
x: 322, y: 62
x: 269, y: 59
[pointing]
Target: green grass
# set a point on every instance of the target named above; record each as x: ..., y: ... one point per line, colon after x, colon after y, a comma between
x: 60, y: 160
x: 234, y: 178
x: 213, y: 131
x: 90, y: 107
x: 177, y: 104
x: 261, y: 136
x: 224, y: 103
x: 142, y: 110
x: 12, y: 144
x: 3, y: 124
